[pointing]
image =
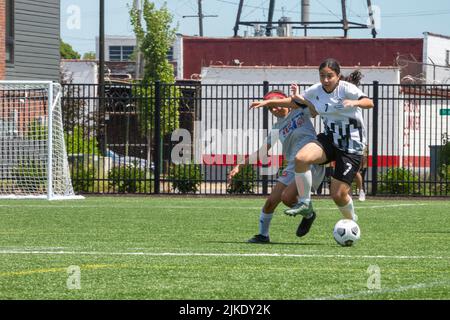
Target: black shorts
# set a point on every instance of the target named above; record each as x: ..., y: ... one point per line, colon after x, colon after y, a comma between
x: 347, y: 164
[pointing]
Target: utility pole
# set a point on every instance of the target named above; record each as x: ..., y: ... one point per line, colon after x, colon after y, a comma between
x: 372, y: 19
x: 101, y: 79
x: 137, y: 50
x: 200, y: 17
x: 101, y: 47
x: 238, y: 18
x: 270, y: 18
x: 344, y: 18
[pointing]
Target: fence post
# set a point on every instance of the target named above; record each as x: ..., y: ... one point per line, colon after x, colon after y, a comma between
x: 265, y: 178
x: 157, y: 137
x: 375, y: 138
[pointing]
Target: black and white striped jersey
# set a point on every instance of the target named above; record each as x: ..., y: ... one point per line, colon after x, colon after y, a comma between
x: 345, y: 125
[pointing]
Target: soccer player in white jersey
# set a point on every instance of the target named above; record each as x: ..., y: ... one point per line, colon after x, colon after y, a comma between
x: 339, y: 104
x: 294, y: 129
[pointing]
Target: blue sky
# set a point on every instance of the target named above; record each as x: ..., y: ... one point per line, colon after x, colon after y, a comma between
x: 398, y: 19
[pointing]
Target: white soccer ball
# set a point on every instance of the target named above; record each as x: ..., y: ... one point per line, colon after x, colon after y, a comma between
x: 346, y: 232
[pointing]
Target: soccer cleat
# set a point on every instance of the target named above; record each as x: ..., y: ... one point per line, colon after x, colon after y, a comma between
x: 362, y: 196
x: 259, y: 238
x: 305, y: 225
x: 300, y: 208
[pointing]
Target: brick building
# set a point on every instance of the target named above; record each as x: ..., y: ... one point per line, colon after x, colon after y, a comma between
x: 295, y: 52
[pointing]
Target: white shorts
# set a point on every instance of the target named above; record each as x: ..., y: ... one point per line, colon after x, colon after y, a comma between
x: 288, y: 175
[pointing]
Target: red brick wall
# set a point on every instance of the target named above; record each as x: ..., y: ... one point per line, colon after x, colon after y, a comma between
x: 29, y: 106
x: 2, y: 39
x: 198, y: 52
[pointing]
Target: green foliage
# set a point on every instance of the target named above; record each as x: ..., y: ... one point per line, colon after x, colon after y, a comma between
x: 67, y: 52
x: 244, y: 181
x: 399, y: 181
x: 37, y: 131
x: 89, y: 55
x: 169, y: 108
x: 83, y: 178
x: 444, y: 163
x: 79, y: 142
x: 129, y: 179
x: 155, y: 40
x: 186, y: 178
x: 445, y: 153
x: 439, y: 188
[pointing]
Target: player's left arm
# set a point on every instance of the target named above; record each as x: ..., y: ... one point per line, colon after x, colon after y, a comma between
x: 356, y: 98
x: 363, y: 103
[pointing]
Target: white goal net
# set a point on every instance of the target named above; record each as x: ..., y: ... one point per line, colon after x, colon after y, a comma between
x: 33, y: 159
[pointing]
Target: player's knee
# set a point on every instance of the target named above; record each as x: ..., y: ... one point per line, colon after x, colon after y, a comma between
x: 338, y: 196
x: 287, y: 199
x: 301, y: 160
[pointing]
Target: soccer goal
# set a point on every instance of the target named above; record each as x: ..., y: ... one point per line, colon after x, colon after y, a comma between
x: 33, y: 159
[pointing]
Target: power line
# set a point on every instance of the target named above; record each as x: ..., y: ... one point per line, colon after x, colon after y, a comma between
x: 415, y: 14
x: 328, y: 9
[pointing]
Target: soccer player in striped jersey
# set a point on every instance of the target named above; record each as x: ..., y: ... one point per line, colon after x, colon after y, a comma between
x: 339, y: 104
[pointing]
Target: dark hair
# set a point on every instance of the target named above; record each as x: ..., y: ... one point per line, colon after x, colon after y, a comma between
x: 354, y: 77
x: 332, y: 64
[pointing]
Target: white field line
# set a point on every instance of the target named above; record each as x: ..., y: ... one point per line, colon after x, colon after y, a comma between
x: 368, y: 292
x: 206, y: 254
x: 194, y: 207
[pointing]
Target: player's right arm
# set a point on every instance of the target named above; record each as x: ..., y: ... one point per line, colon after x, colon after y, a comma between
x: 300, y: 101
x: 285, y: 103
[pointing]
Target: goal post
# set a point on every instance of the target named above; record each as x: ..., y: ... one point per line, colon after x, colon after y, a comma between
x: 33, y: 157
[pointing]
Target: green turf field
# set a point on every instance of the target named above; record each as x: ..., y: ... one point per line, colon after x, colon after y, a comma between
x: 195, y: 248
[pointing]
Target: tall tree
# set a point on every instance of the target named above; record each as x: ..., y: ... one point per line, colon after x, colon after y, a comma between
x: 89, y: 55
x: 67, y: 52
x: 155, y: 36
x: 155, y: 40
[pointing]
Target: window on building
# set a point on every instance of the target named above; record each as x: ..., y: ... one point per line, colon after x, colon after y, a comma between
x: 126, y: 52
x: 447, y: 57
x: 115, y: 53
x: 120, y: 53
x: 9, y: 36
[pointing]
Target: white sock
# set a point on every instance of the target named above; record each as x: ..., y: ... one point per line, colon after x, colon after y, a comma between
x: 348, y: 211
x: 264, y: 223
x: 303, y: 180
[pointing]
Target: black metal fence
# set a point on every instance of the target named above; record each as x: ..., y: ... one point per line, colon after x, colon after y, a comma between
x: 185, y: 138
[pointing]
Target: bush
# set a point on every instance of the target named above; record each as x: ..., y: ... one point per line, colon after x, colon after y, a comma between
x: 244, y: 181
x: 78, y: 142
x: 129, y: 179
x: 399, y: 181
x: 186, y: 178
x: 83, y: 178
x: 440, y: 188
x: 444, y: 163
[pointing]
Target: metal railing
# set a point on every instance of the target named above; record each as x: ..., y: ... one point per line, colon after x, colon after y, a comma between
x: 126, y: 141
